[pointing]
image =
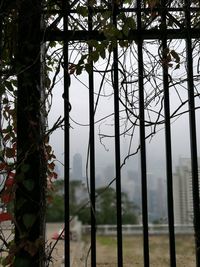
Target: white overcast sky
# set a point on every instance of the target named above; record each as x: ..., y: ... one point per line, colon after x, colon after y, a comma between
x: 79, y: 134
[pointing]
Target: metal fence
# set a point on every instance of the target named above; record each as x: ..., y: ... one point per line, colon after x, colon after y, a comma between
x: 130, y: 230
x: 160, y: 22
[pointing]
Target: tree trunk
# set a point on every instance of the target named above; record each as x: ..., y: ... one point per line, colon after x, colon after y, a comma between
x: 31, y: 167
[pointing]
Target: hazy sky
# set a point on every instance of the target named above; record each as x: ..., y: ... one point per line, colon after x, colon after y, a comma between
x: 104, y: 156
x: 104, y: 153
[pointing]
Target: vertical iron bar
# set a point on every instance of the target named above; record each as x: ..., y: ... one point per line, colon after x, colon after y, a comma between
x: 169, y: 174
x: 92, y: 149
x: 1, y: 48
x: 193, y: 137
x: 117, y: 144
x: 142, y: 140
x: 65, y: 10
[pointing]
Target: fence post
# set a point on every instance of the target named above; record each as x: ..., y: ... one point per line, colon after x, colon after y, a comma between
x: 31, y: 168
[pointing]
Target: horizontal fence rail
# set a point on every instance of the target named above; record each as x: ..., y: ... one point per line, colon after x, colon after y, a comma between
x: 138, y: 229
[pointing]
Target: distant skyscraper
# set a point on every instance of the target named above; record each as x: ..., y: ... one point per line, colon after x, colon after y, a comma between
x: 183, y: 198
x: 77, y: 167
x: 136, y: 190
x: 161, y: 198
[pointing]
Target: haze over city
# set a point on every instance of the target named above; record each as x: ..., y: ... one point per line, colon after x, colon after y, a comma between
x: 105, y: 158
x: 105, y: 151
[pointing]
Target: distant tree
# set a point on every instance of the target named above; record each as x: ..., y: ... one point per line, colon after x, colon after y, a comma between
x: 106, y: 207
x: 84, y: 215
x: 129, y: 210
x: 55, y: 203
x: 55, y: 209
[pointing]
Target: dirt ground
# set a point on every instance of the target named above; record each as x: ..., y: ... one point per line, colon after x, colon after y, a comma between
x: 76, y: 249
x: 132, y: 252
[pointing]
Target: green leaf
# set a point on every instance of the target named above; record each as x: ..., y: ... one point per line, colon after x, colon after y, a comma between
x: 14, y: 82
x: 29, y: 184
x: 128, y: 2
x: 169, y: 58
x: 177, y: 66
x: 47, y: 82
x: 29, y: 219
x: 2, y: 89
x: 19, y: 203
x: 165, y: 52
x: 5, y: 100
x: 10, y: 152
x: 88, y: 68
x: 110, y: 32
x: 130, y: 22
x: 95, y: 56
x: 83, y: 11
x: 53, y: 44
x: 79, y: 70
x: 122, y: 16
x: 106, y: 15
x: 20, y: 177
x: 92, y: 2
x: 125, y: 29
x: 93, y: 43
x: 105, y: 43
x: 22, y: 262
x: 83, y: 57
x: 175, y: 55
x: 9, y: 86
x: 25, y: 167
x: 123, y: 43
x: 103, y: 53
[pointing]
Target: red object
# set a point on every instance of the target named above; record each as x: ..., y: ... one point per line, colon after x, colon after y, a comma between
x: 55, y: 236
x: 6, y: 198
x: 9, y: 181
x: 5, y: 217
x: 59, y: 235
x: 11, y: 175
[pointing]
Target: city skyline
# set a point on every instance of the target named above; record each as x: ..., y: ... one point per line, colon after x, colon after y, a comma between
x: 157, y: 189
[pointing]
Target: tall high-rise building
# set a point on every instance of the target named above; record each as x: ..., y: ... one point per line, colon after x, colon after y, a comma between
x: 77, y: 167
x: 161, y: 196
x: 135, y: 190
x: 183, y: 197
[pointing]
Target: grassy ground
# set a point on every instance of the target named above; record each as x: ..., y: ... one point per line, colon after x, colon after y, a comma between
x: 132, y: 250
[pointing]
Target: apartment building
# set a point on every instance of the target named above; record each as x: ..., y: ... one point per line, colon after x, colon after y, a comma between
x: 182, y: 188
